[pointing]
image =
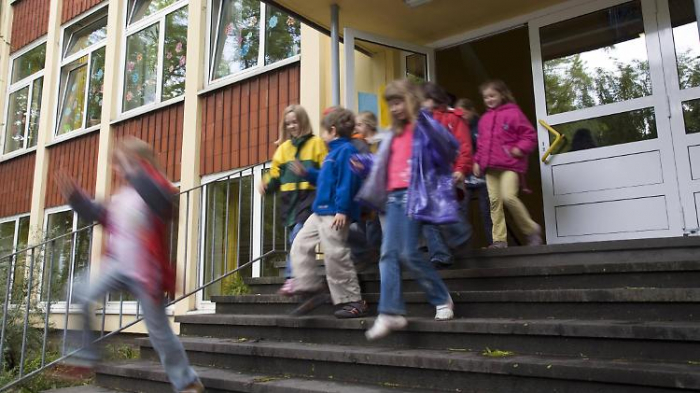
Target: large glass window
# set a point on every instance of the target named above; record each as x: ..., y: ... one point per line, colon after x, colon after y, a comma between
x: 24, y: 99
x: 236, y: 42
x: 595, y: 59
x: 67, y: 258
x: 239, y: 225
x: 82, y: 74
x: 156, y: 48
x: 14, y: 236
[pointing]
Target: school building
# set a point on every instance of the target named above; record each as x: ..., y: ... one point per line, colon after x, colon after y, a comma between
x: 204, y: 81
x: 612, y: 86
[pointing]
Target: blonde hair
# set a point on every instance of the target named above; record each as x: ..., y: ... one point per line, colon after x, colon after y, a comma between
x: 367, y: 118
x: 302, y: 118
x: 136, y: 148
x: 409, y: 93
x: 501, y: 88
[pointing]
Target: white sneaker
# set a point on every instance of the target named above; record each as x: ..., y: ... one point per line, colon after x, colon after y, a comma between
x: 385, y: 324
x: 445, y: 312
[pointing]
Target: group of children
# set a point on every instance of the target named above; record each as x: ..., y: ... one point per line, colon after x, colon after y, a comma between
x: 353, y: 189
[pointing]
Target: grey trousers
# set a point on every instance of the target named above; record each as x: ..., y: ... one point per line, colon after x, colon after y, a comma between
x: 167, y: 345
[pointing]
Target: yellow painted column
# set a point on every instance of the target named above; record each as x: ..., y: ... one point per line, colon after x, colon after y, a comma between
x: 110, y: 111
x: 187, y: 253
x: 5, y: 31
x: 46, y: 120
x: 315, y: 77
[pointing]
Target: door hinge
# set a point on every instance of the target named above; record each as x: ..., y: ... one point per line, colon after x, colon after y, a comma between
x: 691, y: 232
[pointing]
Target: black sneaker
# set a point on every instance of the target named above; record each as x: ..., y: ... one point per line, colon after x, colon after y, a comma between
x: 440, y: 265
x: 352, y: 310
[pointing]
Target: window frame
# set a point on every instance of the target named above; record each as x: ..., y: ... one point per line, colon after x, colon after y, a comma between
x: 15, y: 241
x: 256, y: 173
x: 92, y: 17
x: 61, y: 306
x: 15, y: 87
x: 157, y: 18
x: 260, y: 68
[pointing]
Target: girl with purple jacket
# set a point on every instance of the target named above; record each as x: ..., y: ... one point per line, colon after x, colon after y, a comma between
x: 506, y: 138
x: 411, y: 182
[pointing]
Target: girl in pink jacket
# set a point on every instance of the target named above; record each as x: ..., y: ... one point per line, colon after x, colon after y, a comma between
x: 506, y: 138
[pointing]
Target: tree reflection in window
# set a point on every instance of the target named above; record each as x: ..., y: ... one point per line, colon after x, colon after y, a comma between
x: 595, y: 59
x: 236, y: 38
x: 282, y: 36
x: 175, y: 58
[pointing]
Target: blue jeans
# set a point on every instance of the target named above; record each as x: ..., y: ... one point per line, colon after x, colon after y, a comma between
x: 169, y: 348
x: 442, y: 238
x: 482, y: 194
x: 293, y: 231
x: 364, y: 238
x: 400, y: 248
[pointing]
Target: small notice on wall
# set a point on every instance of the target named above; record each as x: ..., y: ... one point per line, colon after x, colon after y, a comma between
x: 367, y: 102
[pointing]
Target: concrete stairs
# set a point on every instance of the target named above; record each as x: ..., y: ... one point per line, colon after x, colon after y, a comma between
x: 598, y: 317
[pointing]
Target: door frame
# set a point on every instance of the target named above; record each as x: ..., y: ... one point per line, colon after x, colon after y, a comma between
x: 350, y: 35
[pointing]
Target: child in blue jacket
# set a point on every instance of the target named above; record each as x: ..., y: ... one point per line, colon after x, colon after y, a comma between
x: 333, y: 211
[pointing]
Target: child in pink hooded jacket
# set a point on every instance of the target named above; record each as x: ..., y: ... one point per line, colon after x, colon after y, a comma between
x: 506, y: 138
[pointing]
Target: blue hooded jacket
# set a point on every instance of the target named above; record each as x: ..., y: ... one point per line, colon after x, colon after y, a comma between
x: 336, y: 184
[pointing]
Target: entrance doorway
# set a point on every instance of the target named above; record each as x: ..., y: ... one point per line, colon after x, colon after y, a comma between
x: 621, y: 80
x: 506, y: 56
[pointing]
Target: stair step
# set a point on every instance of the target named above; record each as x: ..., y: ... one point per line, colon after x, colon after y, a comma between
x: 671, y: 341
x: 684, y: 274
x: 149, y: 376
x: 84, y: 389
x: 672, y: 304
x: 455, y: 369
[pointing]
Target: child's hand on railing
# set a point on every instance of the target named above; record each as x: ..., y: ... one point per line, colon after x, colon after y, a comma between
x: 262, y: 187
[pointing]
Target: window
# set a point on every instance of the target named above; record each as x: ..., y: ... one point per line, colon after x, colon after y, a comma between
x: 24, y: 99
x: 68, y: 258
x: 156, y: 52
x: 239, y: 225
x: 246, y: 34
x: 82, y: 74
x: 14, y: 236
x: 597, y: 81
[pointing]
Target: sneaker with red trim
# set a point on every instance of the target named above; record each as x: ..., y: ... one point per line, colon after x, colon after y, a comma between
x: 352, y: 310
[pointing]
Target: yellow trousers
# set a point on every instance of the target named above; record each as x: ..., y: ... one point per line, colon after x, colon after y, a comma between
x: 503, y: 189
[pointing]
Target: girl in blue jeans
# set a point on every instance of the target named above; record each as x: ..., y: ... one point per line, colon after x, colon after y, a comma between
x: 411, y: 182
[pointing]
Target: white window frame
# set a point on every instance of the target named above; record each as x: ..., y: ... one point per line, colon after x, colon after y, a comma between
x: 260, y: 68
x: 156, y: 18
x: 15, y: 241
x: 14, y: 87
x: 60, y: 306
x: 65, y: 61
x: 256, y: 235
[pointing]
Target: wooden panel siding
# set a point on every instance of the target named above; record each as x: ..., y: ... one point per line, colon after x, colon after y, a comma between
x: 162, y: 129
x: 16, y: 177
x: 240, y: 122
x: 76, y: 157
x: 30, y: 20
x: 73, y: 8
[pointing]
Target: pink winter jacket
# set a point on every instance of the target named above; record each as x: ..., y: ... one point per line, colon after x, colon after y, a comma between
x: 500, y: 130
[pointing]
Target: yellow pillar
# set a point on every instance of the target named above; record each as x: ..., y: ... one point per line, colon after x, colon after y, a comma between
x: 110, y: 112
x: 187, y: 252
x: 48, y: 104
x: 5, y: 30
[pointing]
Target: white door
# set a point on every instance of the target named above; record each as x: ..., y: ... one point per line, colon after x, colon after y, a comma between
x: 680, y: 46
x: 600, y: 80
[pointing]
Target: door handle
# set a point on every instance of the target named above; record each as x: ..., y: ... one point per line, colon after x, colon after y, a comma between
x: 558, y: 140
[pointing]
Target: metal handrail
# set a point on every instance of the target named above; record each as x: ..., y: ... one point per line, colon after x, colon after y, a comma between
x: 138, y: 320
x: 558, y: 139
x: 40, y: 257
